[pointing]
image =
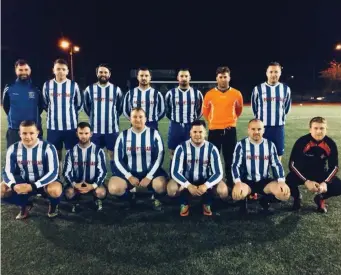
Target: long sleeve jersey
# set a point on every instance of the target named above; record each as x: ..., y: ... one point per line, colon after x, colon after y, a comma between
x: 104, y: 106
x: 193, y: 164
x: 253, y: 161
x: 271, y: 103
x: 37, y: 165
x: 222, y: 109
x: 85, y: 164
x: 137, y: 153
x: 314, y: 160
x: 150, y: 100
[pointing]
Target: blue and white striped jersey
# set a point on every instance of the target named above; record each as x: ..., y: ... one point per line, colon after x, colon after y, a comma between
x: 183, y: 106
x: 104, y: 106
x: 64, y: 101
x: 193, y: 163
x: 85, y: 164
x: 270, y: 103
x: 139, y: 152
x: 37, y: 165
x: 253, y: 161
x: 150, y: 100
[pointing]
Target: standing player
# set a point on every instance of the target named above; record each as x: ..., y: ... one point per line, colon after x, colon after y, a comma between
x: 271, y: 102
x: 138, y: 159
x: 252, y: 159
x: 314, y: 163
x: 183, y: 106
x: 222, y: 107
x: 64, y: 100
x: 103, y: 104
x: 145, y: 97
x: 22, y: 101
x: 196, y: 170
x: 31, y: 167
x: 84, y: 169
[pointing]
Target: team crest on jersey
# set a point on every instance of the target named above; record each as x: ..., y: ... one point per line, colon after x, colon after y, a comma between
x: 31, y: 95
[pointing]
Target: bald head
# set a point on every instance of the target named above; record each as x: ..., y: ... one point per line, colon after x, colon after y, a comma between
x: 255, y: 130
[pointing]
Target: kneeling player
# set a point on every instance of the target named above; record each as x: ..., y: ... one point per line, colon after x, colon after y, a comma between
x: 197, y: 170
x: 314, y: 163
x: 84, y: 169
x: 138, y: 158
x: 31, y: 168
x: 252, y: 159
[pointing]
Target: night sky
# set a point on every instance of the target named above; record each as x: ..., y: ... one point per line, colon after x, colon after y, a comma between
x: 245, y: 36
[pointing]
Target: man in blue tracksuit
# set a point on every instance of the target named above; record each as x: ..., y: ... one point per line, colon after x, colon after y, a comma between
x: 21, y: 101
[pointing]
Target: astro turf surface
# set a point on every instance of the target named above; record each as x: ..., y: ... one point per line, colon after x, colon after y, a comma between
x: 142, y: 241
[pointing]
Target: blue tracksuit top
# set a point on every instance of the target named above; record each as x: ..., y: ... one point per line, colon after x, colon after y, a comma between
x: 22, y: 101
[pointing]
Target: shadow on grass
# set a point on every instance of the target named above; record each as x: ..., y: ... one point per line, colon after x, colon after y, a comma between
x: 146, y: 238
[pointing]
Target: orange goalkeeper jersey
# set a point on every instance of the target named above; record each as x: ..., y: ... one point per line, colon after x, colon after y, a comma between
x: 222, y: 109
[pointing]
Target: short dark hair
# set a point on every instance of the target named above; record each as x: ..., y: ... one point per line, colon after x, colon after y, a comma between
x: 144, y: 69
x: 20, y: 62
x: 317, y: 119
x: 60, y: 61
x: 138, y: 109
x: 183, y: 70
x: 103, y: 65
x: 198, y: 122
x: 274, y: 63
x: 28, y: 123
x: 222, y: 70
x: 83, y: 125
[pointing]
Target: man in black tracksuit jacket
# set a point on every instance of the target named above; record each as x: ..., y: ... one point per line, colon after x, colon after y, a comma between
x: 314, y: 163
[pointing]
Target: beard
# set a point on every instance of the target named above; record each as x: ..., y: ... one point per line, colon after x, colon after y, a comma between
x: 184, y: 84
x: 84, y: 141
x: 23, y: 77
x: 103, y: 80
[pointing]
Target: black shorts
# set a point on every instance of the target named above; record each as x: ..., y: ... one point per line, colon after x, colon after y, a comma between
x: 258, y: 187
x: 159, y: 173
x: 41, y: 190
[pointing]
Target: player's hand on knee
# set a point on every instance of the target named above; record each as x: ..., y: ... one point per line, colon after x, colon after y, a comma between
x: 323, y: 188
x: 283, y: 191
x: 202, y: 189
x: 312, y: 186
x: 89, y: 187
x: 193, y: 190
x: 240, y: 191
x: 134, y: 181
x: 77, y: 186
x: 145, y: 182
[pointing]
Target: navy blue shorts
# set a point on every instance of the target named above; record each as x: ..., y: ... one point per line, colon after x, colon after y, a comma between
x: 276, y: 135
x: 258, y: 187
x: 159, y: 173
x: 58, y: 138
x: 105, y: 140
x: 178, y: 133
x: 153, y: 125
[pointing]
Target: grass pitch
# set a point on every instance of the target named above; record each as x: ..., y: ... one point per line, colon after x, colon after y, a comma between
x: 144, y: 242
